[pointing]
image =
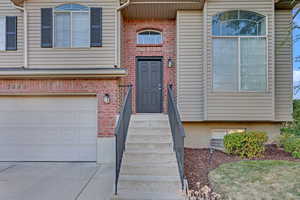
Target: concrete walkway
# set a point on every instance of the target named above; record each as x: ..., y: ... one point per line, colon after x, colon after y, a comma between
x: 56, y: 181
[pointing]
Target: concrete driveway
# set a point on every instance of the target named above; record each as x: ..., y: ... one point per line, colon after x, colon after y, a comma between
x: 55, y: 181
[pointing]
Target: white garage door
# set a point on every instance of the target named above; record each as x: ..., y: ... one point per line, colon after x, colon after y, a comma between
x: 48, y: 128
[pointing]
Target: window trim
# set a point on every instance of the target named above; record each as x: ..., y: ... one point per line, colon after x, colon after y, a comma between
x: 4, y: 50
x: 266, y: 36
x: 71, y: 27
x: 149, y: 30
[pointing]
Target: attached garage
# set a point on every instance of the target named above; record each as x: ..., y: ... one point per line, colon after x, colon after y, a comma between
x: 48, y: 128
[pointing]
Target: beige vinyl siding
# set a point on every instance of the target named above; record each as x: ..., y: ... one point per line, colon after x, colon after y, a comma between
x: 239, y: 106
x: 283, y: 66
x: 104, y: 56
x: 190, y: 65
x: 12, y: 58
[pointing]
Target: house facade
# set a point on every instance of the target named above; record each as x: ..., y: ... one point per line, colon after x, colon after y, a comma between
x: 63, y: 63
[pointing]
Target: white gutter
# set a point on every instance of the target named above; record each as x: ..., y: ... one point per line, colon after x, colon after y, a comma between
x: 24, y: 10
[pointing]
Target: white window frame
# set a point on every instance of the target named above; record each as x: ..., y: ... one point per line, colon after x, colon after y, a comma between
x: 71, y: 28
x: 239, y: 57
x: 149, y: 30
x: 4, y: 49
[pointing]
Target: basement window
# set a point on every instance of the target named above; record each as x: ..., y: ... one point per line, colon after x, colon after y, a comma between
x: 217, y: 137
x: 220, y: 133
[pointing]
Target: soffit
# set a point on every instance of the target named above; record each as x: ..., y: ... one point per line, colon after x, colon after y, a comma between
x: 159, y: 9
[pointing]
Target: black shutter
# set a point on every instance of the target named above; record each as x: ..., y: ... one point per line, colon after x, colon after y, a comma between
x: 46, y: 27
x: 11, y: 33
x: 96, y: 27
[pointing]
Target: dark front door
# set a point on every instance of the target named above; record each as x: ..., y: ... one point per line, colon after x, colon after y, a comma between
x: 149, y: 85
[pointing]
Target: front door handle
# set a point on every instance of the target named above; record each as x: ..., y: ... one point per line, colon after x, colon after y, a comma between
x: 159, y: 87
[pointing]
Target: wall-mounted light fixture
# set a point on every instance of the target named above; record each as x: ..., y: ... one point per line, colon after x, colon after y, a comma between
x: 106, y: 98
x: 170, y: 63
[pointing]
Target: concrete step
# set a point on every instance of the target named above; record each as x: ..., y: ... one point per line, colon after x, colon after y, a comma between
x: 149, y: 117
x: 149, y: 131
x: 129, y: 195
x: 148, y: 138
x: 149, y: 124
x: 150, y: 147
x: 149, y: 121
x: 146, y: 169
x: 151, y: 157
x: 149, y: 183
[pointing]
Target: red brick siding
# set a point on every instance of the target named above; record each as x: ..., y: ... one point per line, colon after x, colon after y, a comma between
x: 106, y: 112
x: 166, y: 50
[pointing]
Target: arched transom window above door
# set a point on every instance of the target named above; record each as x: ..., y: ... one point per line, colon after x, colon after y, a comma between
x: 239, y: 51
x: 149, y: 37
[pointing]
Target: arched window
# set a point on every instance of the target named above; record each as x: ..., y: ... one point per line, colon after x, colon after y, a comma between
x: 149, y: 37
x: 239, y: 51
x: 71, y: 26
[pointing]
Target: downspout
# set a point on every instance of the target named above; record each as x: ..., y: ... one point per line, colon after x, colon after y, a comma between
x: 118, y: 31
x: 24, y: 10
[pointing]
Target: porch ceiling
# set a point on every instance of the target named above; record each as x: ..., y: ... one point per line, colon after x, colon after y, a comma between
x: 159, y: 9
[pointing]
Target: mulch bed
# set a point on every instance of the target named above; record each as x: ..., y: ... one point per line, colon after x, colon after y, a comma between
x: 197, y: 164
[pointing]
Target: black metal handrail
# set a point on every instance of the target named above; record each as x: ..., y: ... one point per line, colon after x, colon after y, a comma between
x: 178, y: 133
x: 121, y: 132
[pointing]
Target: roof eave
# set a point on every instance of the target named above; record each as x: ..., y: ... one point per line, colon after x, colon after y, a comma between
x: 18, y: 2
x: 63, y: 73
x: 286, y: 4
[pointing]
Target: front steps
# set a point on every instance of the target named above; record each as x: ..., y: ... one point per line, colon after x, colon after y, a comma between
x: 149, y: 169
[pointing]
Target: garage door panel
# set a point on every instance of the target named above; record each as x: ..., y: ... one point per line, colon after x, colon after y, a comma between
x: 47, y: 153
x: 48, y: 134
x: 46, y: 103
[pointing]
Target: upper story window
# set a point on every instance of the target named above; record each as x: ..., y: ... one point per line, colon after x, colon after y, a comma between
x: 71, y: 26
x: 8, y: 33
x: 149, y: 37
x: 239, y: 51
x: 2, y: 33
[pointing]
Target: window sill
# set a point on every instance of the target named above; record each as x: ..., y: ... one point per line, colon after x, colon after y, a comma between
x: 240, y: 92
x: 6, y: 51
x: 68, y: 48
x: 149, y: 45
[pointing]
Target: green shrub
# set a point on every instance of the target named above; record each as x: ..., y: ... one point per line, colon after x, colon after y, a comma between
x: 283, y: 138
x: 296, y: 154
x: 291, y: 128
x: 247, y: 144
x: 291, y: 144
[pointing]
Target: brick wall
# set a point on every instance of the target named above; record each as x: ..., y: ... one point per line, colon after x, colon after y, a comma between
x: 106, y: 112
x: 166, y: 50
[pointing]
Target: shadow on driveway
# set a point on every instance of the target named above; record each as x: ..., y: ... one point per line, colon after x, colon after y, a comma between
x: 56, y: 181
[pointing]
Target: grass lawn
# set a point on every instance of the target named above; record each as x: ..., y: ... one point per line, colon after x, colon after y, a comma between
x: 255, y: 180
